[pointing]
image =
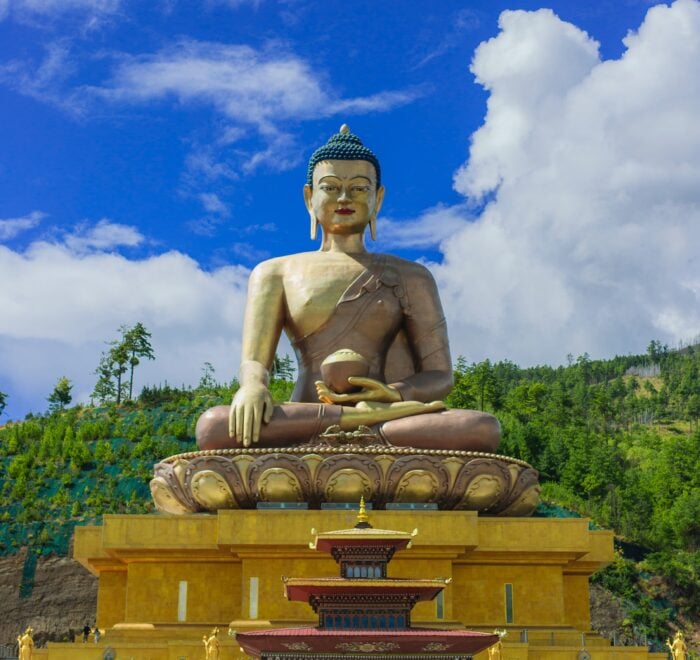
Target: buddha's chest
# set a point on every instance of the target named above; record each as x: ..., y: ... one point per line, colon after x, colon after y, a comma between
x: 313, y: 293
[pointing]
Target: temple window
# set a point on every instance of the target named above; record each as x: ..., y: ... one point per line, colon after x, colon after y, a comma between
x: 509, y: 602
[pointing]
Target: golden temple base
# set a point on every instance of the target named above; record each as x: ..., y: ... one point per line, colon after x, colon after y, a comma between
x: 166, y: 580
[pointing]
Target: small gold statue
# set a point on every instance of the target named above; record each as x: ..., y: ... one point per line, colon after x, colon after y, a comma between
x: 679, y: 649
x: 496, y: 650
x: 26, y: 644
x: 212, y: 645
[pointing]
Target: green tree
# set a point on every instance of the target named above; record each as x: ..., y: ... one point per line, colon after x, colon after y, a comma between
x: 3, y: 402
x: 124, y: 356
x: 207, y: 380
x: 136, y: 342
x: 104, y: 388
x: 61, y: 395
x: 283, y: 368
x: 118, y: 360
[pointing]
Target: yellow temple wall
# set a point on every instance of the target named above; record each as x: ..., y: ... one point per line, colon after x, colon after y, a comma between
x: 142, y: 560
x: 111, y: 598
x: 479, y: 595
x: 212, y: 591
x: 577, y: 601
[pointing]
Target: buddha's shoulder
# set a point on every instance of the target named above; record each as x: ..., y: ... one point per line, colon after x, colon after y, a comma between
x: 279, y: 266
x: 410, y: 270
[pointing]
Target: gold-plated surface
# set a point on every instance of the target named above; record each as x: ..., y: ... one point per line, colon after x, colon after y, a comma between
x: 211, y: 490
x: 240, y: 478
x: 212, y: 646
x: 25, y: 644
x: 679, y: 649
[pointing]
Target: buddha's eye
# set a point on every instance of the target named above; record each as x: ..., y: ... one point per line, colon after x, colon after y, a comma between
x: 328, y: 188
x: 360, y: 189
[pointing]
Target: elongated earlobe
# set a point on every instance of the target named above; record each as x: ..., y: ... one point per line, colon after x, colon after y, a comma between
x: 314, y: 227
x: 373, y: 227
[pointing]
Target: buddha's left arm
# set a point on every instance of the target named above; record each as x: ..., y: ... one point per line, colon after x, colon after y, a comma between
x: 426, y: 331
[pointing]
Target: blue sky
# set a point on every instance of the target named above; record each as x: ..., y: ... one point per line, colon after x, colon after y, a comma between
x: 543, y: 158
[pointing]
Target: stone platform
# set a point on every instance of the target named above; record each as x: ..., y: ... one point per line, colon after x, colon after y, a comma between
x: 240, y: 478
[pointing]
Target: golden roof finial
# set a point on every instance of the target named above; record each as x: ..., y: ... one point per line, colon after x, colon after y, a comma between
x: 362, y: 516
x: 344, y: 129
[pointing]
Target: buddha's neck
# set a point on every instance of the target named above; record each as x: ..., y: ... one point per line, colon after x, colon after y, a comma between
x: 351, y: 244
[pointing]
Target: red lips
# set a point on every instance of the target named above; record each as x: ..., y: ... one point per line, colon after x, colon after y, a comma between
x: 345, y: 211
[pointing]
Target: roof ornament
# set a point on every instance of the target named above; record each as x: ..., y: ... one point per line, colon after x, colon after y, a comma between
x: 362, y: 517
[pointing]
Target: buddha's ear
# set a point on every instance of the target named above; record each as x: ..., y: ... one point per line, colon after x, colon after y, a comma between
x: 378, y: 200
x: 308, y: 192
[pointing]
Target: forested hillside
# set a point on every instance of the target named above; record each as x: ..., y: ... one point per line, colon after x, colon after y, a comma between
x: 616, y: 440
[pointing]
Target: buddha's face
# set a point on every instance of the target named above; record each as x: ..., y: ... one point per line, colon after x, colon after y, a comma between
x: 344, y: 195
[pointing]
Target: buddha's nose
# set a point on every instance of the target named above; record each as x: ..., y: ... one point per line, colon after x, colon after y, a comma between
x: 344, y: 196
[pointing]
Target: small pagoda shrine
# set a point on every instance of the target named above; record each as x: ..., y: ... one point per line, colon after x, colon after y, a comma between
x: 363, y: 611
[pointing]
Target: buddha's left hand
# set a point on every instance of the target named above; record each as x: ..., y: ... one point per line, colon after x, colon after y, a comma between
x: 372, y: 390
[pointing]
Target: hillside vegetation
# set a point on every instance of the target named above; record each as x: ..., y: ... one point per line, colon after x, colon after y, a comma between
x: 615, y: 440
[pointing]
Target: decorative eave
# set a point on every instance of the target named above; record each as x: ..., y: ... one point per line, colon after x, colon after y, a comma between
x: 297, y: 642
x: 363, y: 534
x: 302, y: 589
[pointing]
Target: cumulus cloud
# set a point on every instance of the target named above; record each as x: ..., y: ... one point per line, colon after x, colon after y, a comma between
x: 11, y: 227
x: 590, y: 175
x: 66, y: 302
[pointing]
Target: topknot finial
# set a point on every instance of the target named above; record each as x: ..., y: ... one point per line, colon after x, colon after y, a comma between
x: 344, y: 129
x: 362, y: 517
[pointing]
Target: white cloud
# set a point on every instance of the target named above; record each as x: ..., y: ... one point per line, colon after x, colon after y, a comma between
x: 212, y: 204
x: 430, y: 230
x: 56, y: 6
x: 91, y: 13
x: 105, y: 235
x: 252, y: 89
x: 63, y: 305
x: 10, y: 227
x: 589, y: 242
x: 44, y: 82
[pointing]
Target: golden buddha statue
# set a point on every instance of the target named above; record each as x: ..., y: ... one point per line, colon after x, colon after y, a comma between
x: 346, y: 307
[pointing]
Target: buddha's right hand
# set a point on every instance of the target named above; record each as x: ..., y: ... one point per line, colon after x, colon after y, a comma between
x: 371, y: 390
x: 251, y: 407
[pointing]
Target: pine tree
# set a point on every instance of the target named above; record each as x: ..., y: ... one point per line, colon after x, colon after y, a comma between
x: 136, y: 343
x: 61, y: 396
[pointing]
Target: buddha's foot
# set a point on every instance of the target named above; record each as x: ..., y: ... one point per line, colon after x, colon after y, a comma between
x: 369, y: 413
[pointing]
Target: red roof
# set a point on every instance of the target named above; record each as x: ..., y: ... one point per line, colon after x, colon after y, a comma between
x: 303, y: 588
x: 316, y: 640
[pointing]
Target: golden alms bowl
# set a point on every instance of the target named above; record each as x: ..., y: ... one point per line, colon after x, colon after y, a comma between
x: 341, y: 365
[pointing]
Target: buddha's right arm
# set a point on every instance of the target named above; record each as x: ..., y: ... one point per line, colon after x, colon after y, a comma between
x: 264, y: 318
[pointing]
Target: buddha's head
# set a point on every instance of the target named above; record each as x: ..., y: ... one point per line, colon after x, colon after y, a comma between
x: 343, y: 191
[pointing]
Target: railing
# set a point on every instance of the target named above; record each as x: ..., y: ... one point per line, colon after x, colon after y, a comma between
x: 8, y: 652
x: 580, y: 640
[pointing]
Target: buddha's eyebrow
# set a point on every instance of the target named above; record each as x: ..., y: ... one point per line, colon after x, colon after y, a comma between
x: 357, y: 176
